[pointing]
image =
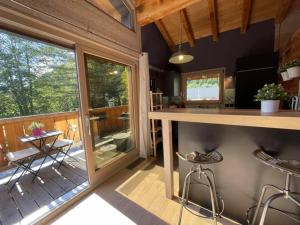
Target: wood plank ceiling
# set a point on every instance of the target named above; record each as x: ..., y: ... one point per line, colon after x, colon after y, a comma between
x: 202, y: 18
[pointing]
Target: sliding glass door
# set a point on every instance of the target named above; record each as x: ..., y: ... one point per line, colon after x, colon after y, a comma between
x: 109, y: 110
x: 107, y: 102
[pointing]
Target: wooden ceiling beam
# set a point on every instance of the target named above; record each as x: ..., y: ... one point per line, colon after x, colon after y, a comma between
x: 166, y: 35
x: 213, y: 19
x: 246, y: 12
x: 184, y: 19
x: 148, y: 11
x: 282, y: 11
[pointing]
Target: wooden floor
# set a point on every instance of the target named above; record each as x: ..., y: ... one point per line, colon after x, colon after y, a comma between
x: 27, y: 197
x: 132, y: 196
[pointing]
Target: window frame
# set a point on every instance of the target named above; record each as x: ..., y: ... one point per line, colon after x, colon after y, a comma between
x: 131, y: 10
x: 200, y: 73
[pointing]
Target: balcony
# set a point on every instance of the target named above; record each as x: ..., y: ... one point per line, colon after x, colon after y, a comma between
x: 29, y: 200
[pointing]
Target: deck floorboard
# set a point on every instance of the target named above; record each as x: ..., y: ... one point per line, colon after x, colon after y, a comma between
x: 28, y: 196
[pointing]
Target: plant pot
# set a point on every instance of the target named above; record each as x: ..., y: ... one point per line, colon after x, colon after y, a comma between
x: 269, y: 106
x: 294, y: 71
x: 37, y: 132
x: 285, y: 76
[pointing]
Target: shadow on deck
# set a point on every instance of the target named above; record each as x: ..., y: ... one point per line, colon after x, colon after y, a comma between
x: 30, y: 200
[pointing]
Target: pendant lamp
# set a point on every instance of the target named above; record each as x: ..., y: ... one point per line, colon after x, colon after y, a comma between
x: 181, y: 57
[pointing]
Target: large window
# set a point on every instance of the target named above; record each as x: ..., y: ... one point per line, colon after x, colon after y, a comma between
x: 117, y: 9
x: 109, y: 108
x: 35, y: 77
x: 203, y: 86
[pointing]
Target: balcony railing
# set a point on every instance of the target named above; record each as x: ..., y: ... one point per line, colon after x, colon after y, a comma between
x: 13, y: 128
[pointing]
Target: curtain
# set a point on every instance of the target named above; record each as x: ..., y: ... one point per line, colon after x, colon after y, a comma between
x: 144, y: 106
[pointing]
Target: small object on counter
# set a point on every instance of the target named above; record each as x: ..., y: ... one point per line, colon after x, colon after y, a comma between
x: 269, y: 96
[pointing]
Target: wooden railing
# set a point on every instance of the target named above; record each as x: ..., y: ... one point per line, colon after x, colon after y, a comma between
x: 13, y: 128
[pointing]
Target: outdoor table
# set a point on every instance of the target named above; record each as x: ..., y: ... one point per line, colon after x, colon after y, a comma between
x: 39, y: 142
x: 125, y: 118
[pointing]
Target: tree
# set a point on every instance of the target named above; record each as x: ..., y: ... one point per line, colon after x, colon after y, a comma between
x: 35, y: 77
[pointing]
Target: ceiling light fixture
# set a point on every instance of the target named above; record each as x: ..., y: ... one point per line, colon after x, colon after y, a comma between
x: 181, y: 57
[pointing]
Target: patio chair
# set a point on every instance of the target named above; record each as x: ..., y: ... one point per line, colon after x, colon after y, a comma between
x: 23, y: 160
x: 64, y: 145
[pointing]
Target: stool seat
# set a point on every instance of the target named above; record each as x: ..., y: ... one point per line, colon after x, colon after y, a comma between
x: 288, y: 166
x: 200, y: 158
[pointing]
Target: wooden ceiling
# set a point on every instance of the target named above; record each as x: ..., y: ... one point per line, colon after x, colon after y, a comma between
x: 202, y: 18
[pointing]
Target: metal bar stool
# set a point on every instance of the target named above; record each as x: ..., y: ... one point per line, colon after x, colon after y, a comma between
x: 197, y: 159
x: 291, y: 168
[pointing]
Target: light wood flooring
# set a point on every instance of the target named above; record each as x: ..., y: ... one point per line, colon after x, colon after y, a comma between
x: 132, y: 196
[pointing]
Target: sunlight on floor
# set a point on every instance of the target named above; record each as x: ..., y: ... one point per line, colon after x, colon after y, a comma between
x: 146, y: 188
x: 93, y: 210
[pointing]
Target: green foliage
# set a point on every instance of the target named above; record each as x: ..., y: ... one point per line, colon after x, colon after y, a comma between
x: 35, y: 77
x: 271, y: 92
x: 281, y: 68
x: 108, y: 83
x: 203, y: 82
x: 35, y: 125
x: 293, y: 63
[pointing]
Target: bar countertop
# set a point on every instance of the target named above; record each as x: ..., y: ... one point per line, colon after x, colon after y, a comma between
x: 238, y: 117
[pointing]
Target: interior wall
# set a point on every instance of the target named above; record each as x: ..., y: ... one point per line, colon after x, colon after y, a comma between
x: 164, y: 74
x: 259, y: 39
x: 154, y: 44
x: 287, y: 28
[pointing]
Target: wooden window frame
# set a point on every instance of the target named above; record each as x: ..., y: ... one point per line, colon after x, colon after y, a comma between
x: 200, y: 73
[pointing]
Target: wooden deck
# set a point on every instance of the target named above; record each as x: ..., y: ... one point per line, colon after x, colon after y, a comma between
x: 28, y: 197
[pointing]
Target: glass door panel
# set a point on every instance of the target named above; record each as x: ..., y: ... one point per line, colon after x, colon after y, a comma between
x: 109, y: 109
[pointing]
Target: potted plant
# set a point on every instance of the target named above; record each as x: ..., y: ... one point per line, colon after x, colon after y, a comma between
x: 269, y: 96
x: 293, y: 68
x: 283, y: 72
x: 36, y: 128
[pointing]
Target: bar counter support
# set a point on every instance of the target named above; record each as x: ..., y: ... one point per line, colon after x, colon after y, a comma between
x: 168, y: 157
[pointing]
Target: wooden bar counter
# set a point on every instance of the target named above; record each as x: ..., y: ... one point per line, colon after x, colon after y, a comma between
x: 250, y: 118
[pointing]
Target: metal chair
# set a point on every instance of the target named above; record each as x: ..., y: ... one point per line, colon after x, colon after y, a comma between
x: 23, y: 160
x: 197, y: 159
x: 64, y: 145
x: 291, y: 168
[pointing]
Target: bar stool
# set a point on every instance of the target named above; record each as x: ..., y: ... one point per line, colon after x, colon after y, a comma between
x: 197, y: 160
x: 291, y: 168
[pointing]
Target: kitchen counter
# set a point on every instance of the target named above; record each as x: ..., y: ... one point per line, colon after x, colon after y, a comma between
x: 236, y: 134
x: 238, y: 117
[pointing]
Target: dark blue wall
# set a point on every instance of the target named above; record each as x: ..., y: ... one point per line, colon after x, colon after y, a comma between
x: 259, y: 39
x: 155, y: 45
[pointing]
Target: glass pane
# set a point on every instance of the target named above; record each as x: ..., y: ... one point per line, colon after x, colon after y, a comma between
x: 110, y: 116
x: 35, y: 77
x: 39, y: 94
x: 116, y: 9
x: 203, y: 88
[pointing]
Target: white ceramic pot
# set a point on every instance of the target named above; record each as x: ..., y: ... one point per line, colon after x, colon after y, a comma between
x: 294, y: 72
x: 268, y: 106
x: 285, y: 76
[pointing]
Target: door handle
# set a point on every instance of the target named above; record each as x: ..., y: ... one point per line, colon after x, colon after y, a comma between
x: 87, y: 124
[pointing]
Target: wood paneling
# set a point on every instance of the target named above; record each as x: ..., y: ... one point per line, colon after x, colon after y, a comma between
x: 227, y: 15
x: 161, y: 27
x: 213, y: 18
x: 79, y: 17
x: 17, y: 127
x: 184, y: 19
x: 291, y: 52
x: 282, y: 11
x: 149, y: 11
x: 246, y: 11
